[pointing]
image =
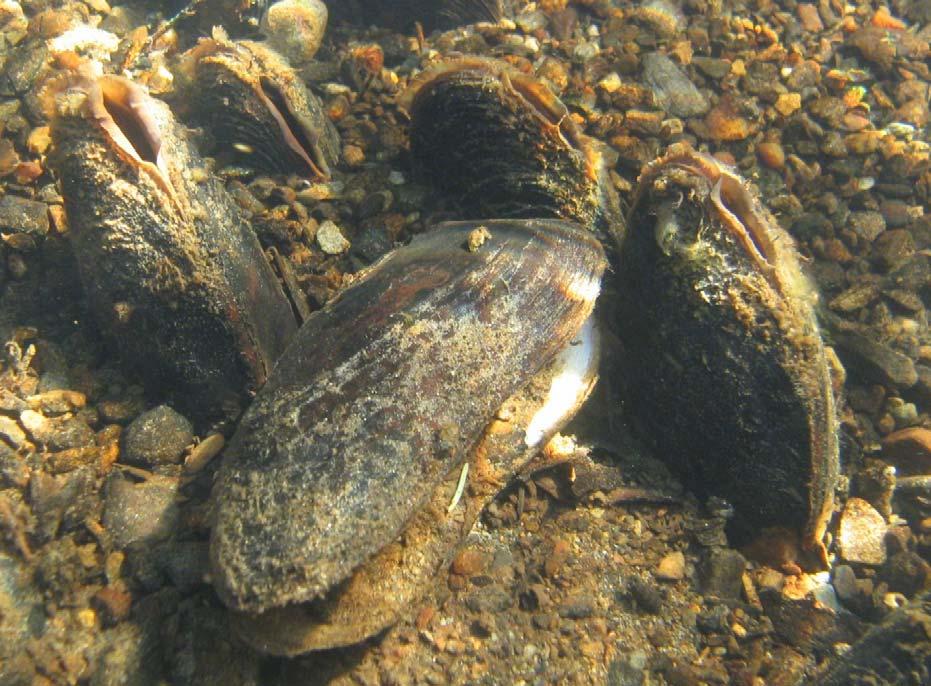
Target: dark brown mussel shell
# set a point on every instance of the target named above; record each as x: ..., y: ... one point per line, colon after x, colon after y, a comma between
x: 404, y: 14
x: 255, y: 107
x: 501, y: 144
x: 723, y: 358
x: 382, y: 395
x: 171, y: 269
x: 385, y: 587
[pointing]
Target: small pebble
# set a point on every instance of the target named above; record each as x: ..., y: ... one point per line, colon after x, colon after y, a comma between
x: 671, y: 567
x: 860, y: 534
x: 157, y: 437
x: 143, y: 512
x: 331, y: 239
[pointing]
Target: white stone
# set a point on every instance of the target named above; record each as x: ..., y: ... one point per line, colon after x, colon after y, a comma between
x: 295, y: 28
x: 331, y: 239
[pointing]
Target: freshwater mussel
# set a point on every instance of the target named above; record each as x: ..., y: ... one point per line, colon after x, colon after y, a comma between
x: 723, y: 359
x: 257, y: 108
x: 383, y: 394
x: 171, y: 269
x: 404, y: 14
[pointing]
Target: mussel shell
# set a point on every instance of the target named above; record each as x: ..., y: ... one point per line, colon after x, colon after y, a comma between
x: 171, y: 269
x: 723, y: 358
x: 392, y: 582
x: 255, y: 106
x: 501, y: 144
x: 404, y: 14
x: 383, y: 393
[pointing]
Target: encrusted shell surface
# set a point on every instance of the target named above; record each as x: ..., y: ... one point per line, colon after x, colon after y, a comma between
x: 171, y: 269
x: 395, y: 579
x: 253, y: 103
x: 382, y: 395
x: 403, y: 14
x: 501, y: 144
x: 722, y: 353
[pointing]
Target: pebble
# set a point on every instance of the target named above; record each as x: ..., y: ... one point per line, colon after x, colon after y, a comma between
x: 909, y: 450
x: 557, y: 558
x: 906, y: 572
x: 112, y: 604
x: 867, y: 225
x: 469, y: 562
x: 143, y: 512
x: 876, y: 361
x: 581, y: 606
x: 893, y: 248
x: 722, y: 573
x: 772, y: 154
x: 845, y: 583
x: 860, y: 534
x: 671, y: 567
x: 157, y: 437
x: 331, y: 239
x: 57, y: 433
x: 295, y: 28
x: 22, y: 216
x: 672, y: 89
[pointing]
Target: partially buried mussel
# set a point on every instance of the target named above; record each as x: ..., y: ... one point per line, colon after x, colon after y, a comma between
x: 256, y: 107
x: 723, y: 359
x: 339, y: 474
x: 172, y: 271
x: 499, y: 143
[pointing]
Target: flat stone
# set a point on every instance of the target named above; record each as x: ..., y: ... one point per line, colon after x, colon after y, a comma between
x: 140, y: 513
x: 331, y: 239
x: 671, y: 567
x: 909, y: 450
x: 19, y: 215
x: 157, y: 437
x: 860, y: 534
x: 893, y: 248
x: 672, y: 89
x: 874, y: 361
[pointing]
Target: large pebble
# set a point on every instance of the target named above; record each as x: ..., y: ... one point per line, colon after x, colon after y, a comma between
x: 861, y: 532
x: 909, y: 450
x: 671, y: 87
x: 157, y: 437
x: 19, y: 215
x: 57, y: 433
x: 875, y: 361
x: 295, y: 28
x: 140, y: 513
x: 722, y: 574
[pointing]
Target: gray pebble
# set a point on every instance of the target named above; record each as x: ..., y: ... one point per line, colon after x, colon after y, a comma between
x: 142, y: 512
x: 157, y: 437
x: 867, y: 225
x: 875, y: 361
x: 671, y: 87
x: 19, y: 215
x: 722, y: 574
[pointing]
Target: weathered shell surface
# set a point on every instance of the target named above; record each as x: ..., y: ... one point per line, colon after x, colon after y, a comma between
x: 383, y: 393
x: 501, y: 144
x: 722, y: 352
x: 172, y: 270
x: 390, y: 583
x: 252, y: 102
x: 403, y: 14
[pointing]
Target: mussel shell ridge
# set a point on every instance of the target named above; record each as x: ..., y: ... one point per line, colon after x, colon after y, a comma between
x: 722, y: 354
x: 171, y: 269
x: 383, y: 393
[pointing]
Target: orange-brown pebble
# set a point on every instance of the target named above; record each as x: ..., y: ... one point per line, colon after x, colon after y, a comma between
x: 39, y: 139
x: 909, y: 450
x: 884, y: 19
x: 671, y: 567
x: 725, y: 157
x: 788, y: 103
x: 557, y: 558
x: 725, y: 124
x: 469, y: 562
x: 771, y: 154
x: 27, y: 172
x: 809, y: 17
x: 353, y: 155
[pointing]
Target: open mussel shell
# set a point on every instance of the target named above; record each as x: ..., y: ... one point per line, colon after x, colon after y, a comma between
x: 383, y: 393
x: 723, y: 358
x: 387, y: 586
x: 171, y: 269
x: 255, y: 106
x: 499, y: 143
x: 405, y: 14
